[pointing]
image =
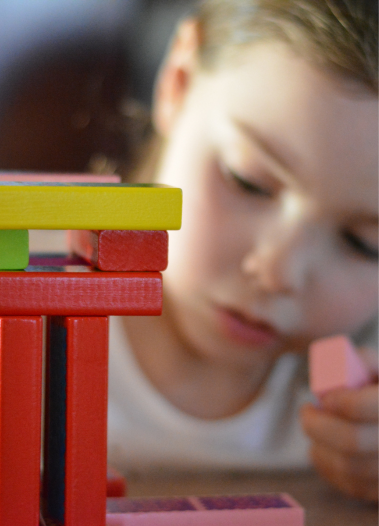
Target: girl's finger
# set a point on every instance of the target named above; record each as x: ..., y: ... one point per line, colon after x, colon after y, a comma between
x: 339, y: 434
x: 346, y: 466
x: 356, y: 477
x: 370, y: 357
x: 359, y: 405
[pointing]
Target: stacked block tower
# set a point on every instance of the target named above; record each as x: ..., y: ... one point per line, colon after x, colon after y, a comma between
x: 119, y: 245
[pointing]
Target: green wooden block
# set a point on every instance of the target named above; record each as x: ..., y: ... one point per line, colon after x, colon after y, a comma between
x: 14, y: 249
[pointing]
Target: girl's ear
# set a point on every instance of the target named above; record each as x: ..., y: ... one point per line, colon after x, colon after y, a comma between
x: 175, y: 75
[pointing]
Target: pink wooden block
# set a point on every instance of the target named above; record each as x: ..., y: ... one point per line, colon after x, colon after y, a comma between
x: 237, y: 510
x: 34, y: 177
x: 334, y: 363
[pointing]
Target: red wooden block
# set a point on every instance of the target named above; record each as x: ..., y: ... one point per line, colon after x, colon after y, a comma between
x: 121, y: 250
x: 74, y: 489
x: 116, y: 483
x: 87, y: 293
x: 20, y: 419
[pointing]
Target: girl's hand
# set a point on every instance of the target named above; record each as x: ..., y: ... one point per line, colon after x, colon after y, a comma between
x: 344, y: 435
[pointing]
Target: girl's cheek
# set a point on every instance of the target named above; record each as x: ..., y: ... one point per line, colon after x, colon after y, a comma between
x: 348, y: 303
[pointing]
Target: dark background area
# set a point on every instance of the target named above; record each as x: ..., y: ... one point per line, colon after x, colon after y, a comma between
x: 75, y: 77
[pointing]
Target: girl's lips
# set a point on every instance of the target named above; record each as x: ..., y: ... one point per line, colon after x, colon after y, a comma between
x: 246, y: 330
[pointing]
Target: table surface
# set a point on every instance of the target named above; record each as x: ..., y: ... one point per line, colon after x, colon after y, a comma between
x: 323, y: 505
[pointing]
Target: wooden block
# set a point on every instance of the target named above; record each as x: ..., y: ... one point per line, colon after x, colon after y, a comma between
x: 14, y: 249
x: 34, y: 177
x: 116, y: 483
x: 74, y: 480
x: 80, y: 291
x: 20, y: 419
x: 89, y: 206
x: 334, y: 363
x: 237, y: 510
x: 122, y: 250
x: 56, y: 261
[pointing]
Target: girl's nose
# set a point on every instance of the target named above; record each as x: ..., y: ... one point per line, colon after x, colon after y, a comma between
x: 281, y: 259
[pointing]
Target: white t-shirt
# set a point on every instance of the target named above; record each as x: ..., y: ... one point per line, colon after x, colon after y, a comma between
x: 146, y: 432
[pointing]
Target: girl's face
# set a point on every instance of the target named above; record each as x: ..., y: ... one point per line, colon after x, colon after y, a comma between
x: 278, y: 166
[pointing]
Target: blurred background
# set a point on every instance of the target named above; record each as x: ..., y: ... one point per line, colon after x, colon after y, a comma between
x: 76, y: 79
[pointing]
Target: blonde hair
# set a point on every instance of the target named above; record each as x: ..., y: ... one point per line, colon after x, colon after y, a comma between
x: 341, y: 35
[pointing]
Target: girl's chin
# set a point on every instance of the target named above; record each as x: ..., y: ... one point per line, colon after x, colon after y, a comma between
x: 246, y: 332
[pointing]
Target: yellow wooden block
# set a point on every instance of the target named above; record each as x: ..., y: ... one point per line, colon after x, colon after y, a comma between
x: 51, y: 206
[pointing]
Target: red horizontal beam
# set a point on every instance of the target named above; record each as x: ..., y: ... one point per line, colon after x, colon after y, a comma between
x: 89, y: 293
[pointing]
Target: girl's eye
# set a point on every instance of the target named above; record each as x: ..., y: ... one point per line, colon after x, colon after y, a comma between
x: 244, y: 184
x: 359, y: 246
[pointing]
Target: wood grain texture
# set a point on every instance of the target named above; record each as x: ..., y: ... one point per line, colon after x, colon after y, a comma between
x: 14, y: 249
x: 74, y: 486
x: 121, y: 250
x: 90, y: 293
x: 89, y: 206
x: 20, y: 419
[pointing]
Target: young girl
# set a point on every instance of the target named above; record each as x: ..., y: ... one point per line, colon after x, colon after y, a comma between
x: 267, y: 117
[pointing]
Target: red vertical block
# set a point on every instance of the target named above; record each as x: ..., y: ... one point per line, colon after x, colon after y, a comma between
x: 75, y: 470
x: 86, y: 423
x: 20, y: 419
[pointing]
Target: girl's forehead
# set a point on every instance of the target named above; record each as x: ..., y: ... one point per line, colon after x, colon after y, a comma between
x: 274, y: 58
x: 271, y: 83
x: 276, y: 101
